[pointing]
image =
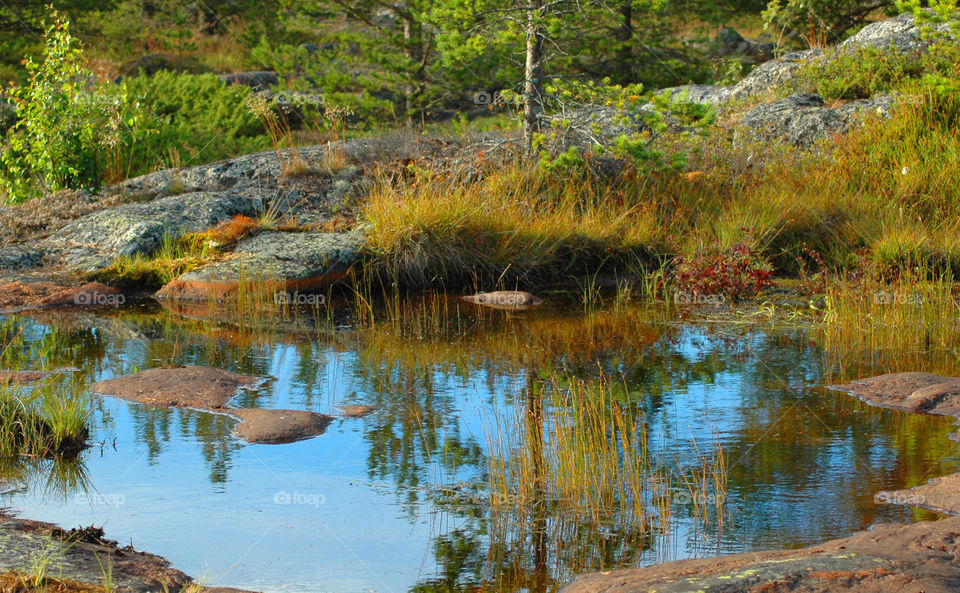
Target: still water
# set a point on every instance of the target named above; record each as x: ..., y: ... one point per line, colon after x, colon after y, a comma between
x: 396, y: 501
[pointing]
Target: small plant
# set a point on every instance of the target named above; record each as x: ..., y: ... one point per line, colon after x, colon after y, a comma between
x: 736, y: 272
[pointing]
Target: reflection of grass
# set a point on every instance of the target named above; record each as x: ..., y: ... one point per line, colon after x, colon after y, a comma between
x: 581, y: 452
x: 908, y: 325
x: 576, y: 452
x: 42, y: 422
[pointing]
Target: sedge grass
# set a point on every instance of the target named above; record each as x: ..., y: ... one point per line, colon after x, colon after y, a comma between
x: 45, y: 421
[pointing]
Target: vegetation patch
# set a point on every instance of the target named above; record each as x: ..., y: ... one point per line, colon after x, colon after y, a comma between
x: 45, y: 421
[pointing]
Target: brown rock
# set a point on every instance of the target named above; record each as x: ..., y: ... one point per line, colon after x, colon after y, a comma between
x: 19, y: 296
x: 210, y: 389
x: 178, y: 387
x: 276, y: 427
x: 911, y: 392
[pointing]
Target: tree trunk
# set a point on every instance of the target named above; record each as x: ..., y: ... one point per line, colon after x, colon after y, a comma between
x: 533, y: 85
x: 624, y: 36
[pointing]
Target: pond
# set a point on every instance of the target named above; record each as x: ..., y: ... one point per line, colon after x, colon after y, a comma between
x: 400, y: 500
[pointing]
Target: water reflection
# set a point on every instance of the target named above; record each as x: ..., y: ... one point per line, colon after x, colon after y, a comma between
x: 803, y: 462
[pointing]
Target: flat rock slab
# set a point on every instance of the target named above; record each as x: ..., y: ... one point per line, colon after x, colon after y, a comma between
x: 211, y: 390
x: 25, y: 296
x: 178, y: 387
x: 285, y: 261
x: 23, y: 541
x: 275, y: 427
x: 911, y: 392
x: 910, y: 558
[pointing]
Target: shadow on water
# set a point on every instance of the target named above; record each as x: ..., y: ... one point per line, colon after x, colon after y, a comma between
x: 408, y: 488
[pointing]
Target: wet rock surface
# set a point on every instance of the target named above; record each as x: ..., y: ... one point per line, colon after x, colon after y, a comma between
x: 287, y: 261
x: 920, y: 557
x: 211, y: 390
x: 23, y: 541
x: 24, y: 296
x: 275, y: 427
x: 911, y: 392
x: 178, y: 387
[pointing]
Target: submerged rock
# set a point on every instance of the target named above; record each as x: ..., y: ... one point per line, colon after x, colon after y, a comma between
x: 505, y: 299
x: 24, y: 296
x: 285, y: 261
x: 357, y: 410
x: 188, y: 386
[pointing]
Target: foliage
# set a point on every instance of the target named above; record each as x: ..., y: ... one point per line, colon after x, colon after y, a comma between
x: 66, y: 123
x: 190, y: 119
x: 736, y: 272
x: 866, y: 71
x: 819, y: 22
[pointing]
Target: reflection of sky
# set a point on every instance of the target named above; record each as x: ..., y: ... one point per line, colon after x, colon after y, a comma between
x: 347, y: 532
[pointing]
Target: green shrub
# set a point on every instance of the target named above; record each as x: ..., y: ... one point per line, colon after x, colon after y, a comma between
x: 189, y: 118
x: 866, y: 71
x: 64, y: 124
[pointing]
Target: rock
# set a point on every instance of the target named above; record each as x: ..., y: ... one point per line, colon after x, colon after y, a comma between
x: 732, y: 42
x: 285, y: 261
x: 94, y: 241
x: 178, y: 387
x: 258, y: 81
x: 20, y: 296
x: 21, y: 377
x: 941, y: 495
x: 357, y: 410
x: 20, y: 257
x: 82, y: 561
x: 911, y: 392
x: 804, y: 119
x: 770, y: 75
x: 277, y: 427
x: 900, y: 32
x: 505, y: 299
x: 707, y: 94
x: 150, y: 64
x: 210, y: 389
x: 918, y: 557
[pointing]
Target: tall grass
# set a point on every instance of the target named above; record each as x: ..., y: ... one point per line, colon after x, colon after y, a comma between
x: 910, y: 324
x: 44, y: 421
x: 882, y: 196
